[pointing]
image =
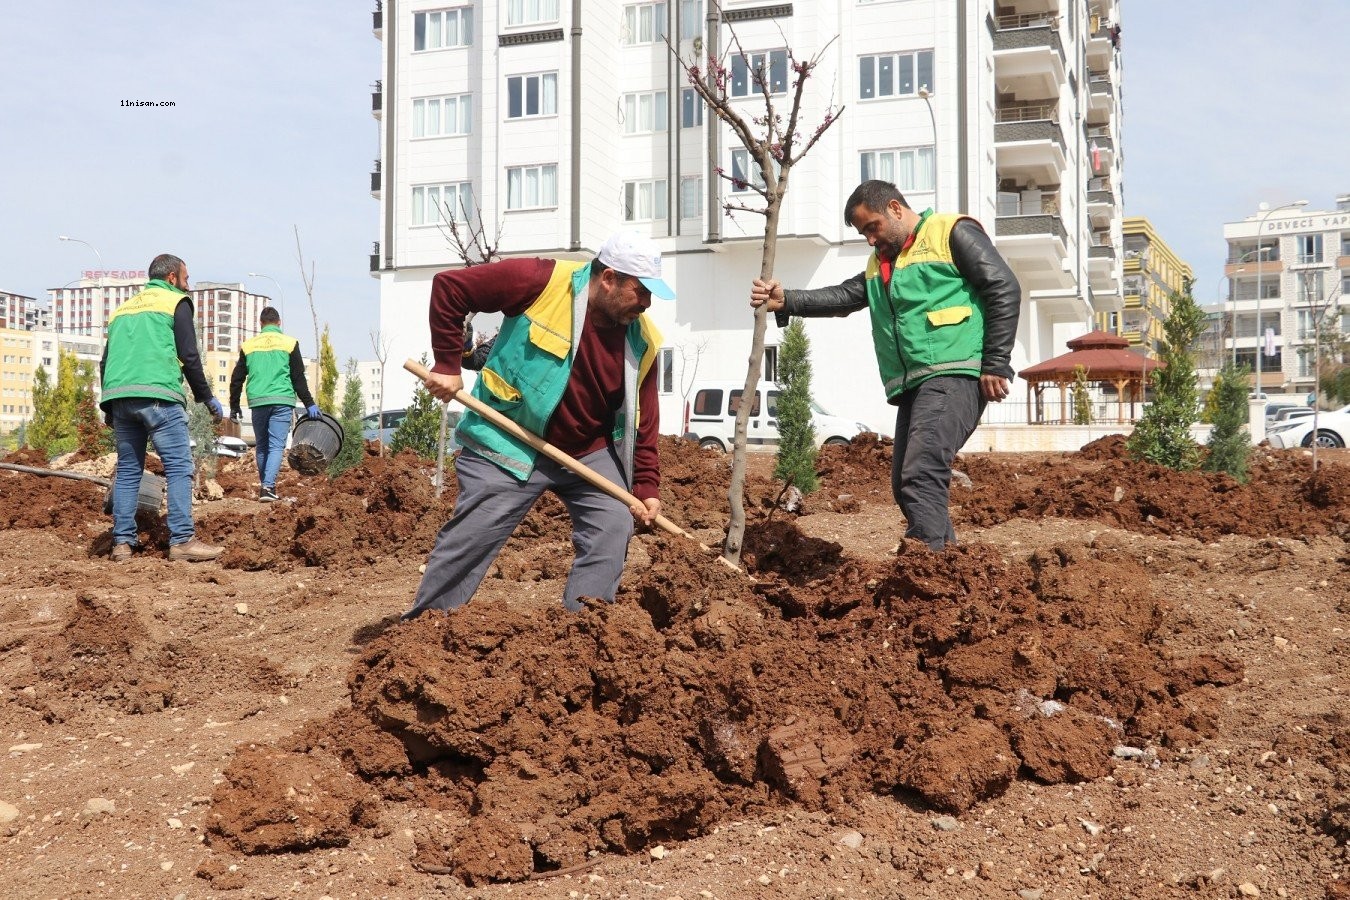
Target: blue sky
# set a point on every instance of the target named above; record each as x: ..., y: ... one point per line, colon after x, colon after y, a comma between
x: 1227, y: 103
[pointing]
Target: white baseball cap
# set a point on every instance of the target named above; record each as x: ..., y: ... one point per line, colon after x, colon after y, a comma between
x: 632, y: 254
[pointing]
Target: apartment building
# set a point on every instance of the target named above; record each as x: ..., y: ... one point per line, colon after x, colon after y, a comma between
x: 560, y: 123
x: 1152, y: 272
x: 17, y: 311
x: 1288, y: 270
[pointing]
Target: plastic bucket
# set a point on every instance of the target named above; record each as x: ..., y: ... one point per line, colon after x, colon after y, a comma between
x: 315, y: 444
x: 148, y: 499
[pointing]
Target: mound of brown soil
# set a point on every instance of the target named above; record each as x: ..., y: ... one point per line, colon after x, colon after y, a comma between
x: 701, y: 696
x: 1112, y: 446
x: 860, y: 470
x: 104, y: 656
x: 27, y: 456
x: 65, y: 505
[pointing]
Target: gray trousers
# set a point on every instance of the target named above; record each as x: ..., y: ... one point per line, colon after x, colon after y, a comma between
x: 491, y: 504
x: 932, y: 422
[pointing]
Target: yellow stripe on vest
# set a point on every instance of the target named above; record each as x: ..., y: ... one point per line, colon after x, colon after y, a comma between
x: 551, y: 315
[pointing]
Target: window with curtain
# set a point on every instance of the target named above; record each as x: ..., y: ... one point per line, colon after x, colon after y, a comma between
x: 531, y: 12
x: 442, y: 28
x: 644, y: 201
x: 532, y: 187
x: 749, y: 70
x: 644, y: 23
x: 644, y: 113
x: 532, y: 95
x: 691, y: 196
x: 745, y: 172
x: 433, y: 204
x: 441, y: 116
x: 691, y: 19
x: 895, y: 74
x: 908, y: 169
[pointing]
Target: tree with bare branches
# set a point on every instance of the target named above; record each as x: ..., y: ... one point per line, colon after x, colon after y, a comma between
x: 307, y: 278
x: 775, y: 144
x: 381, y: 344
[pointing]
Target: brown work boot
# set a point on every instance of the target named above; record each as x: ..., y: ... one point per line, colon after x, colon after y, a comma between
x: 121, y: 553
x: 194, y: 550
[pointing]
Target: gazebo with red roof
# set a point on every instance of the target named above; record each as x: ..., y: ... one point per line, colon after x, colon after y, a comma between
x: 1107, y: 360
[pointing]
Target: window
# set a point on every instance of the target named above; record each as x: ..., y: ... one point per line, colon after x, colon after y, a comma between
x: 439, y: 116
x: 1309, y: 248
x: 644, y: 23
x: 1113, y: 321
x: 436, y: 203
x: 1310, y: 286
x: 644, y: 201
x: 666, y: 361
x: 750, y: 73
x: 745, y: 172
x: 1305, y: 364
x: 708, y: 402
x: 908, y: 170
x: 644, y: 113
x: 532, y: 187
x: 531, y: 12
x: 443, y: 28
x: 532, y: 95
x: 691, y: 108
x: 770, y: 372
x: 894, y: 74
x: 1305, y: 324
x: 691, y: 19
x: 734, y: 404
x: 691, y: 197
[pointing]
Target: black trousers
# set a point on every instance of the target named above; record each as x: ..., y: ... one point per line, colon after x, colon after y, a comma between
x: 932, y: 422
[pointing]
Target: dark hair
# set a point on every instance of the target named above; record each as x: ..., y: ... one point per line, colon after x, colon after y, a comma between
x: 269, y: 316
x: 876, y: 195
x: 598, y: 268
x: 164, y: 265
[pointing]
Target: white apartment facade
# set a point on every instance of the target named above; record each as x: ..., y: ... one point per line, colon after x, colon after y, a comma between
x: 1010, y: 113
x: 1289, y: 267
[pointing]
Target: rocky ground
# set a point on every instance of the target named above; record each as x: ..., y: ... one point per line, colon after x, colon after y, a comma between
x: 1126, y: 682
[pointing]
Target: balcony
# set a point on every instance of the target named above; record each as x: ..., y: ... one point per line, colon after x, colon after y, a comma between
x: 375, y: 181
x: 377, y: 19
x: 375, y: 258
x: 1029, y: 143
x: 377, y: 100
x: 1027, y: 49
x: 1102, y: 251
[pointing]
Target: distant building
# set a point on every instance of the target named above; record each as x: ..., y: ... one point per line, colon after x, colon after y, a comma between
x: 1286, y: 267
x: 562, y: 131
x: 1152, y: 273
x: 17, y: 311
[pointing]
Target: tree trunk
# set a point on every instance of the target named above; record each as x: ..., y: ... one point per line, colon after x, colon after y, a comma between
x: 731, y: 550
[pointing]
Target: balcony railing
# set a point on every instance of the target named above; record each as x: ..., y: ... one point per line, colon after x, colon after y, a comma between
x: 375, y: 258
x: 377, y: 99
x: 1026, y: 20
x: 375, y: 178
x: 1010, y: 204
x: 377, y: 18
x: 1027, y: 112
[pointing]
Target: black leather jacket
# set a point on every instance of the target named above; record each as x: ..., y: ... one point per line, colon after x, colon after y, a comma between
x: 978, y: 261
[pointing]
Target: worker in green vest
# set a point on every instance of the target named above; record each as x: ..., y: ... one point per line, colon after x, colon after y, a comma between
x: 944, y: 307
x: 271, y: 365
x: 151, y: 348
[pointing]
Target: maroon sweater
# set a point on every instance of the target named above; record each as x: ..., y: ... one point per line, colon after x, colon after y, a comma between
x: 584, y: 419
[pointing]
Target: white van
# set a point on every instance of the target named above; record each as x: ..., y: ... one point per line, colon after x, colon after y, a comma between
x: 710, y: 417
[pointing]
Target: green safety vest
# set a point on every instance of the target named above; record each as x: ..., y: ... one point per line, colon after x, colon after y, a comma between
x: 930, y: 322
x: 142, y: 358
x: 526, y: 374
x: 268, y: 358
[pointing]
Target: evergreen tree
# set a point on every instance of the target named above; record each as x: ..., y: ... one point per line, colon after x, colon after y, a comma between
x: 421, y: 426
x: 44, y: 428
x: 1229, y: 444
x: 202, y: 431
x: 93, y: 437
x: 353, y: 441
x: 54, y: 406
x: 796, y: 432
x: 328, y: 374
x: 1082, y: 399
x: 1163, y: 435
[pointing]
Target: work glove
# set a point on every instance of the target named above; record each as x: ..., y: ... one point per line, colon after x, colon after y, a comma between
x: 217, y: 411
x: 312, y: 411
x: 236, y: 414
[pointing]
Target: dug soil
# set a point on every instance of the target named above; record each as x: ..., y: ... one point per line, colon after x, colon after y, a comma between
x: 1125, y: 682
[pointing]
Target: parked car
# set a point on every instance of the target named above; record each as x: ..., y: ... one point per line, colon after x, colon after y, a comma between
x: 1274, y: 409
x: 1333, y: 430
x: 227, y: 447
x: 1289, y: 414
x: 372, y: 428
x: 381, y: 426
x: 710, y: 417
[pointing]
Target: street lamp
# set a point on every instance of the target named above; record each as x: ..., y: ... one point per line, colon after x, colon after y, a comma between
x: 101, y: 295
x: 1260, y: 268
x: 926, y: 94
x: 281, y: 294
